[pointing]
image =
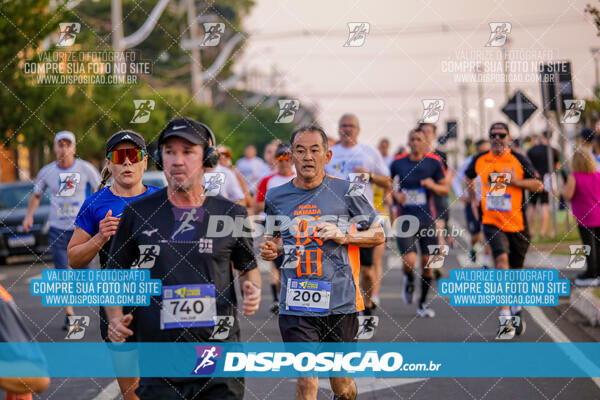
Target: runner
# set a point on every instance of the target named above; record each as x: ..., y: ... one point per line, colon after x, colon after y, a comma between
x: 251, y: 167
x: 538, y: 155
x: 284, y: 174
x: 173, y: 223
x: 419, y: 177
x: 352, y: 160
x: 225, y: 161
x: 382, y: 201
x: 224, y: 182
x: 13, y: 329
x: 69, y: 181
x: 505, y: 175
x: 98, y: 218
x: 441, y: 202
x: 473, y: 223
x: 320, y: 253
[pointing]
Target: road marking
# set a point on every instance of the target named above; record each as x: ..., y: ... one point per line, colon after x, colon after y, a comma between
x: 38, y: 276
x: 558, y: 336
x: 111, y: 392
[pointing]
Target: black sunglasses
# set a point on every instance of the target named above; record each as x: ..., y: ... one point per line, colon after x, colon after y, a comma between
x: 499, y: 135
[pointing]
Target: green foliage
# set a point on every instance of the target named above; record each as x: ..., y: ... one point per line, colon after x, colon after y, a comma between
x: 95, y: 112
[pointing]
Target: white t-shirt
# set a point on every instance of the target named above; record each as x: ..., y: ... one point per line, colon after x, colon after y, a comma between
x: 251, y: 169
x: 345, y: 159
x: 230, y: 187
x: 68, y: 188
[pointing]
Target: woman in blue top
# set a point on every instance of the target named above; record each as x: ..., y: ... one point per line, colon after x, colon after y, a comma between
x: 98, y: 218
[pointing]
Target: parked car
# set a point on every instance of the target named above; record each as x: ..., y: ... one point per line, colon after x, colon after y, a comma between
x: 14, y: 198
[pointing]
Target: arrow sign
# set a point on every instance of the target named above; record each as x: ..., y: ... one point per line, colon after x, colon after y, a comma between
x: 519, y: 108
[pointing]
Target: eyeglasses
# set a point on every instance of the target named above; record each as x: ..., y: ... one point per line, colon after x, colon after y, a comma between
x: 133, y: 155
x: 225, y: 154
x: 283, y: 157
x: 498, y: 135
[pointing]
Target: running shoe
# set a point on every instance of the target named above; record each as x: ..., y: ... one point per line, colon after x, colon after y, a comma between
x: 66, y: 325
x: 407, y: 293
x: 586, y: 281
x: 425, y: 312
x: 275, y: 308
x: 521, y: 326
x: 375, y: 299
x: 506, y: 330
x: 473, y: 255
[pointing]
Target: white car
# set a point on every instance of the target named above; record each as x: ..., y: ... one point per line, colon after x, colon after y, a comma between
x: 154, y: 178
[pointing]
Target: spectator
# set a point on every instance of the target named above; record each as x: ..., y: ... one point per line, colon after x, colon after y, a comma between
x: 251, y: 167
x: 384, y: 150
x: 591, y: 142
x: 583, y: 190
x: 538, y: 155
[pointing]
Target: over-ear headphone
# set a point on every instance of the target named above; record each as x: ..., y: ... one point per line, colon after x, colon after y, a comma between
x: 211, y: 155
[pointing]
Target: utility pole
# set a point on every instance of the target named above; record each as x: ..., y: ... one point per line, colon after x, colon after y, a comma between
x: 199, y: 92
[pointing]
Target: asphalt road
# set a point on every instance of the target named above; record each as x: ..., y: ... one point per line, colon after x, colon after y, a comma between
x: 398, y: 322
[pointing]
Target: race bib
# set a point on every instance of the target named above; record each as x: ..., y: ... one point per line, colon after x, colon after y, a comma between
x: 68, y: 210
x: 306, y: 295
x: 498, y: 203
x: 188, y: 306
x: 415, y: 197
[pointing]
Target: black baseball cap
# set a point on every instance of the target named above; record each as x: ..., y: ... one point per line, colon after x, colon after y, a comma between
x: 499, y: 125
x: 125, y: 136
x: 283, y: 148
x: 188, y: 129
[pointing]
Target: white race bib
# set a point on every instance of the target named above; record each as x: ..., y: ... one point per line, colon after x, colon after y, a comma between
x: 68, y: 210
x: 415, y: 197
x: 498, y: 203
x: 307, y: 295
x: 188, y: 306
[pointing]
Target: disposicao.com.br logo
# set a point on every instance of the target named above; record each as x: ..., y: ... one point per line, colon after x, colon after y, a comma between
x: 365, y: 362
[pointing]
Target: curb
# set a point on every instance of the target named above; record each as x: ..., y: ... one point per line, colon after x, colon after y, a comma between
x: 584, y: 301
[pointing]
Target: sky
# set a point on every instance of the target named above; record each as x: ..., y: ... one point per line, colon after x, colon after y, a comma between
x: 415, y: 51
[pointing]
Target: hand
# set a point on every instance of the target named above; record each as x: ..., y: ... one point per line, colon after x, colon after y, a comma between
x: 27, y: 222
x: 268, y: 250
x: 512, y: 179
x: 465, y: 198
x: 400, y: 197
x: 117, y: 328
x: 427, y: 183
x: 361, y: 170
x: 108, y: 226
x: 251, y: 297
x: 328, y: 230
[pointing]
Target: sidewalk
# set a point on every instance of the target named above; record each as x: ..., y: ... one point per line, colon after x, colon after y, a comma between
x: 581, y: 299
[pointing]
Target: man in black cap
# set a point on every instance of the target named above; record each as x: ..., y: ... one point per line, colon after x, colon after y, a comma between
x: 193, y: 267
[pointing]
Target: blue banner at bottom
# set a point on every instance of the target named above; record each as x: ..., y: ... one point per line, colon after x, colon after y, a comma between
x: 236, y: 359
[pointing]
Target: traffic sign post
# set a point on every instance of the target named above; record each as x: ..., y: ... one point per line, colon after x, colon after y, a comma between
x: 519, y: 109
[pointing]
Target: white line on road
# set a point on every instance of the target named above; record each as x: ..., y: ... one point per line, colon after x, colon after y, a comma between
x: 111, y: 392
x: 38, y: 276
x: 558, y: 336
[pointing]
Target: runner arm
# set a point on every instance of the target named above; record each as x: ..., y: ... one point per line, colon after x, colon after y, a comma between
x: 568, y: 189
x: 372, y: 237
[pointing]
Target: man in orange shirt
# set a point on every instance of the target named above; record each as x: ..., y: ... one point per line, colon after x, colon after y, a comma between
x: 505, y: 175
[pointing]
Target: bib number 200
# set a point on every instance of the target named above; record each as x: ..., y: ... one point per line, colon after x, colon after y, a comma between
x: 306, y: 296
